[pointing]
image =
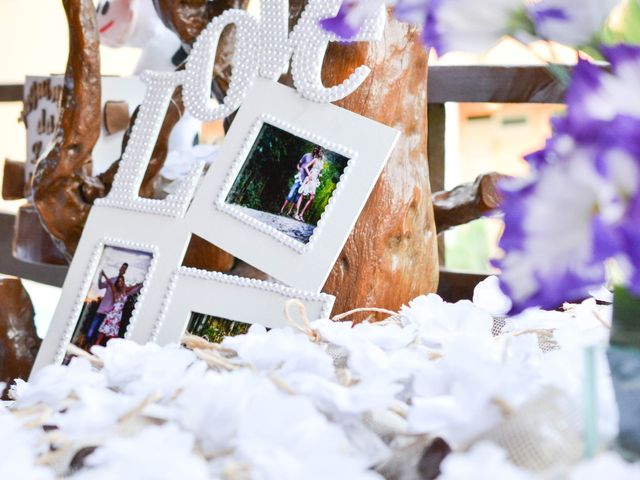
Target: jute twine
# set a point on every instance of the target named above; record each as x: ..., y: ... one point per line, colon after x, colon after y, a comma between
x: 306, y: 328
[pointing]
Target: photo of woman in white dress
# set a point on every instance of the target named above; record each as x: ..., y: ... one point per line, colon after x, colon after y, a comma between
x: 286, y: 182
x: 311, y: 183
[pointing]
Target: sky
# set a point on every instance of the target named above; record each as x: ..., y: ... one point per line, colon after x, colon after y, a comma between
x: 111, y: 260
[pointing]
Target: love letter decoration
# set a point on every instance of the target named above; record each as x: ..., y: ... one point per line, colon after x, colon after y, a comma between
x: 286, y: 145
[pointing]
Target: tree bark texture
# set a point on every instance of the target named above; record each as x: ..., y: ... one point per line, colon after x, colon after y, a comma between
x: 391, y: 255
x: 18, y: 340
x: 467, y: 202
x: 61, y: 175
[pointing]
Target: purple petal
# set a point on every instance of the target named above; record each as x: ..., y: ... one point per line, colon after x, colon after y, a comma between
x: 621, y: 54
x: 431, y: 35
x: 514, y: 209
x: 412, y: 11
x: 585, y: 82
x: 605, y: 239
x: 339, y: 25
x: 538, y: 159
x: 557, y: 289
x: 553, y: 13
x: 630, y: 231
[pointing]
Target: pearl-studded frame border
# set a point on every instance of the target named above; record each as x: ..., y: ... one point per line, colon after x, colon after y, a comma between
x: 241, y: 160
x: 90, y: 271
x: 214, y: 293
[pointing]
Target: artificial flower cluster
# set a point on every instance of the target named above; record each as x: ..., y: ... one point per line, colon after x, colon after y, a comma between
x: 325, y: 400
x: 474, y: 26
x: 581, y: 204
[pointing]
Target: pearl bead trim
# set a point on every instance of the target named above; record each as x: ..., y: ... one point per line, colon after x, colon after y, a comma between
x: 240, y: 161
x: 197, y: 84
x: 287, y: 293
x: 310, y: 43
x: 86, y: 285
x: 124, y: 193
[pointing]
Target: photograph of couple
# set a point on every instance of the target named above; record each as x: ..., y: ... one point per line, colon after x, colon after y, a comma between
x: 112, y: 297
x: 287, y: 182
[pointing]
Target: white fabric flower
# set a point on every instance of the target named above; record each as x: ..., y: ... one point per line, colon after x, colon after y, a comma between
x: 285, y: 438
x: 180, y: 162
x: 18, y: 449
x: 533, y: 319
x: 602, y: 294
x: 292, y: 414
x: 460, y: 396
x: 483, y: 461
x: 54, y: 383
x: 388, y: 336
x: 489, y: 297
x: 584, y: 326
x: 212, y: 407
x: 149, y: 369
x: 439, y: 322
x: 335, y: 399
x: 369, y: 362
x: 606, y: 465
x: 95, y: 412
x: 283, y: 350
x: 156, y: 453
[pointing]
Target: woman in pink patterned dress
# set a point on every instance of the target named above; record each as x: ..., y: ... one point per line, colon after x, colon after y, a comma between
x: 110, y: 327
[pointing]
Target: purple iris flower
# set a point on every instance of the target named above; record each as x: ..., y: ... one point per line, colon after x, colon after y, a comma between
x: 580, y: 206
x: 340, y: 24
x: 351, y: 17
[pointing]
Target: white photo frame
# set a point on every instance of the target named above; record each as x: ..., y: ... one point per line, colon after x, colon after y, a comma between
x: 121, y: 229
x: 232, y: 298
x: 305, y: 265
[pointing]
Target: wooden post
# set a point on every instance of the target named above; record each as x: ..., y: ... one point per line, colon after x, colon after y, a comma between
x: 391, y: 256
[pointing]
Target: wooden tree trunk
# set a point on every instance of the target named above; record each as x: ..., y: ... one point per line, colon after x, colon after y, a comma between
x: 391, y: 256
x: 60, y: 179
x: 18, y: 340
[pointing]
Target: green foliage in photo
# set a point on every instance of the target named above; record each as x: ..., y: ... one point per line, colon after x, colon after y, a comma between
x: 214, y: 329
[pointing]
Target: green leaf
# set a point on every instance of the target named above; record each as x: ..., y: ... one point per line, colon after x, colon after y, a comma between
x: 625, y: 328
x: 628, y: 31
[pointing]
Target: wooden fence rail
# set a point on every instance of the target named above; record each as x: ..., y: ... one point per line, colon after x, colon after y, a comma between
x: 460, y: 84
